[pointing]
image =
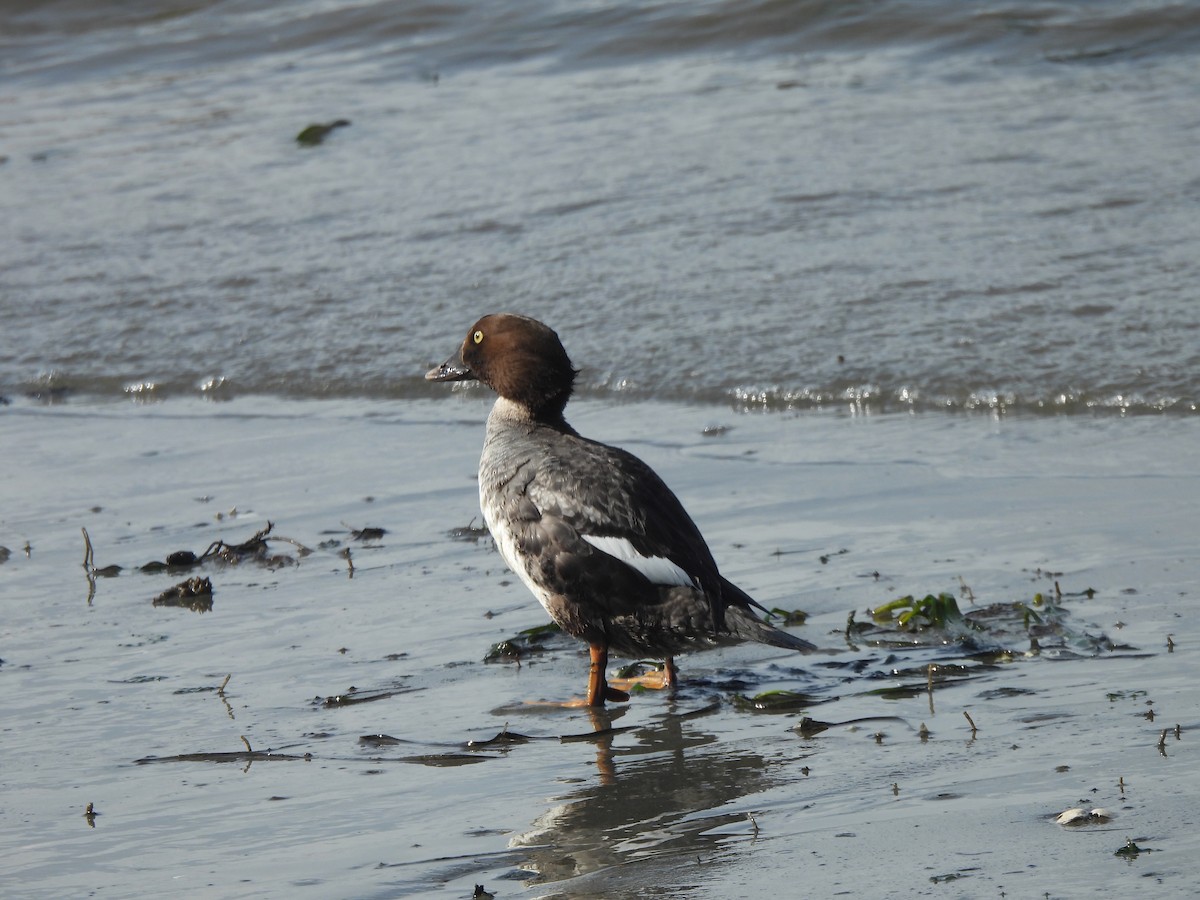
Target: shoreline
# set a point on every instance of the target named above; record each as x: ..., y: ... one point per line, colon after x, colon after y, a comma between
x: 820, y: 512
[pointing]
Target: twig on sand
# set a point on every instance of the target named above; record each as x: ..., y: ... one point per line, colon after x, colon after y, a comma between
x: 971, y: 722
x: 87, y: 551
x: 89, y: 559
x: 255, y: 546
x: 221, y: 695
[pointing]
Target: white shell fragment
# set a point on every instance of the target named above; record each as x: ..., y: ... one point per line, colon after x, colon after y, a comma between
x: 1077, y: 816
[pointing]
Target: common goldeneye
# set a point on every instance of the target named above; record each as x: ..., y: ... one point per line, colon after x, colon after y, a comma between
x: 597, y: 536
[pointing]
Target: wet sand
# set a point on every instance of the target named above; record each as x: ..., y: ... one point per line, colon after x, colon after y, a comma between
x: 824, y: 512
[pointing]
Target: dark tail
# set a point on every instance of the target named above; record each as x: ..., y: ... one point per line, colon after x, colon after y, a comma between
x: 741, y: 621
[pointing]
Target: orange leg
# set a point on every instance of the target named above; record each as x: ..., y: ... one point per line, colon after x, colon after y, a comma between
x: 598, y: 689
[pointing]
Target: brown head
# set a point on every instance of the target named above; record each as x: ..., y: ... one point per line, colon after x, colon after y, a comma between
x: 519, y: 358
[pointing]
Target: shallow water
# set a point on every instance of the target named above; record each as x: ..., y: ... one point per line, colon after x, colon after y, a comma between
x: 97, y: 690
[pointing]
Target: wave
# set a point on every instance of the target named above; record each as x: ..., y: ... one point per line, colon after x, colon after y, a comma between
x: 436, y: 37
x: 857, y: 399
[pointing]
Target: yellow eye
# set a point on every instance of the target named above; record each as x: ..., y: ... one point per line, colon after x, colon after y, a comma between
x: 477, y: 337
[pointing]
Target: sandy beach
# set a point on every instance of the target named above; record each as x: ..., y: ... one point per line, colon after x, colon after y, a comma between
x: 115, y: 702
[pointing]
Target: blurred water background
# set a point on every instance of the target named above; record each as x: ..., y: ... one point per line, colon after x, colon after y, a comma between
x: 927, y: 205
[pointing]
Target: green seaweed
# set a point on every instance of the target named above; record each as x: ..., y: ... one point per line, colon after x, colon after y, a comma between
x: 315, y: 133
x: 789, y: 616
x: 777, y: 701
x: 522, y: 644
x: 1042, y: 623
x: 931, y: 611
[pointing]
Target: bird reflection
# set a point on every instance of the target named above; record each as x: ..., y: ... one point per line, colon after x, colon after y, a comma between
x: 603, y: 732
x: 645, y: 802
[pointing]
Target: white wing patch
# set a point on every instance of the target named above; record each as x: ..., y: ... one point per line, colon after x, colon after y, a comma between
x: 655, y: 568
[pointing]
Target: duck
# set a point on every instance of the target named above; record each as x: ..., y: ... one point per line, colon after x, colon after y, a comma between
x: 595, y: 534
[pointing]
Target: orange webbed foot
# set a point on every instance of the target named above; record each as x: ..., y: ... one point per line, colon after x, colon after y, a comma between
x: 655, y: 680
x: 611, y: 695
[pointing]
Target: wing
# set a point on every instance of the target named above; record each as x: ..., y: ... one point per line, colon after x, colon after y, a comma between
x: 632, y: 516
